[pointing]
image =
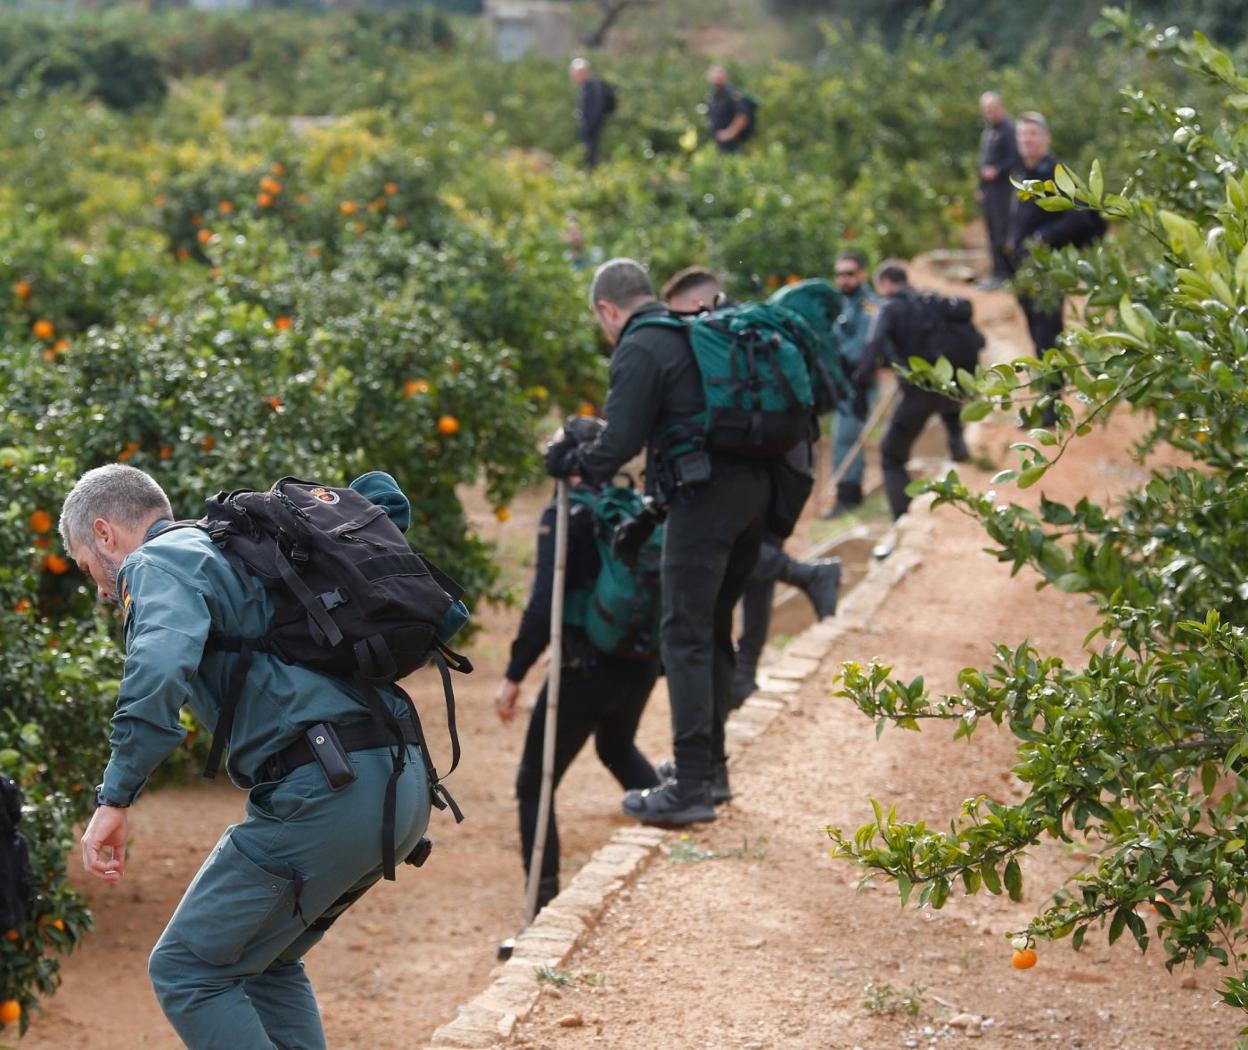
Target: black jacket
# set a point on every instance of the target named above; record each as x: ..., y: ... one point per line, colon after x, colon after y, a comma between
x: 654, y: 383
x: 998, y: 148
x: 582, y: 570
x: 591, y: 109
x: 896, y: 335
x: 1030, y: 223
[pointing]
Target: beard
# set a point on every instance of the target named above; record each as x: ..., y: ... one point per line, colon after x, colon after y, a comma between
x: 112, y: 569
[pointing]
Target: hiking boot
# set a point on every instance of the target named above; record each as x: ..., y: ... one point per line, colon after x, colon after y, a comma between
x: 958, y: 451
x: 672, y: 804
x: 821, y: 580
x: 719, y: 789
x: 848, y: 500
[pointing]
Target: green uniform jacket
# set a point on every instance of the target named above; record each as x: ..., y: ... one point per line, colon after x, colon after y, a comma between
x: 174, y: 589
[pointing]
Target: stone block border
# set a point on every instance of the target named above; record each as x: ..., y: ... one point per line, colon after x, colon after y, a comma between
x: 563, y: 925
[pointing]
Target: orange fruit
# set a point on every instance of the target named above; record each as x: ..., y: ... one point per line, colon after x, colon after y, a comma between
x: 225, y: 208
x: 1024, y: 959
x: 275, y: 402
x: 182, y: 254
x: 166, y: 452
x: 40, y: 521
x: 159, y: 200
x: 10, y: 1011
x: 282, y: 323
x: 415, y: 386
x: 584, y: 409
x: 55, y: 564
x: 22, y: 289
x: 21, y: 608
x: 204, y: 235
x: 448, y: 425
x: 392, y: 188
x: 12, y: 935
x: 57, y: 924
x: 348, y: 207
x: 43, y: 542
x: 44, y: 330
x: 263, y: 199
x: 209, y: 443
x: 793, y: 279
x: 60, y: 346
x: 197, y: 220
x: 773, y: 281
x: 278, y: 168
x: 503, y: 514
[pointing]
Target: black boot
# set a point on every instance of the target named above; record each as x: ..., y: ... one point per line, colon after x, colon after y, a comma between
x: 720, y: 791
x: 958, y: 451
x: 848, y: 499
x: 743, y: 683
x: 821, y: 580
x: 672, y: 804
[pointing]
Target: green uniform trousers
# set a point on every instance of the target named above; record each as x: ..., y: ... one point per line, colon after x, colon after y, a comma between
x: 228, y: 969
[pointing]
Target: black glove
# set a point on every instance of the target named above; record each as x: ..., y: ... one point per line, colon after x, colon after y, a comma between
x: 631, y: 535
x: 563, y: 458
x: 584, y: 430
x: 858, y: 404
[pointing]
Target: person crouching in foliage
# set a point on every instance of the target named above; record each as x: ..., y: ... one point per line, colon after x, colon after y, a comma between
x: 601, y: 694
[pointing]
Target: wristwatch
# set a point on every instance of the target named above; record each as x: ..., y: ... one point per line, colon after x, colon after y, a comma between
x: 101, y: 801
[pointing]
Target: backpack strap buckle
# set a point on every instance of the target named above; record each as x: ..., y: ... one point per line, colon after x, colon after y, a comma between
x: 332, y: 599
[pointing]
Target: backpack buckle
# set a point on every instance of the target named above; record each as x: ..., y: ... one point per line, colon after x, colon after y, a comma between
x: 332, y: 599
x: 298, y: 556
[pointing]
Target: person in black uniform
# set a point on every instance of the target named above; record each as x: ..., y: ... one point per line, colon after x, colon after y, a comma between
x: 998, y: 160
x: 1031, y: 225
x: 600, y: 695
x: 592, y: 108
x: 897, y: 335
x: 692, y: 291
x: 730, y: 112
x: 716, y: 506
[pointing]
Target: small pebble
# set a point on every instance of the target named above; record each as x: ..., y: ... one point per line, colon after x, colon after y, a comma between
x: 571, y: 1021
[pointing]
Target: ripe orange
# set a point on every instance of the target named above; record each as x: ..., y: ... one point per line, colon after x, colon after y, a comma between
x: 282, y: 323
x: 415, y: 386
x: 12, y: 935
x: 55, y: 564
x: 503, y: 514
x: 166, y: 452
x: 225, y: 208
x: 270, y: 185
x: 22, y: 288
x: 448, y: 425
x: 275, y: 402
x: 392, y: 188
x: 793, y: 279
x: 1024, y: 959
x: 584, y: 409
x: 57, y: 924
x: 61, y: 345
x: 197, y: 220
x: 278, y: 168
x: 44, y: 330
x: 348, y: 207
x: 204, y: 235
x: 21, y: 608
x: 209, y: 443
x: 40, y: 521
x: 10, y: 1011
x: 182, y: 254
x: 263, y: 199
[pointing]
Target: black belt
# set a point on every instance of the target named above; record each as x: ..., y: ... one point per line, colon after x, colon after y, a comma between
x: 354, y: 736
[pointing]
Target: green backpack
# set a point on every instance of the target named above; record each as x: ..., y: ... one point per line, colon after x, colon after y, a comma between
x: 819, y: 304
x: 621, y: 613
x: 757, y: 367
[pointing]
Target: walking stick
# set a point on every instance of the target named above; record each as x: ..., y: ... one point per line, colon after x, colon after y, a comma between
x: 552, y: 701
x: 881, y: 406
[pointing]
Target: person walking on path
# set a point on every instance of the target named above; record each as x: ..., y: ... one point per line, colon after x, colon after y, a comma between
x: 998, y: 160
x: 600, y: 694
x: 695, y: 290
x: 228, y: 968
x: 595, y: 103
x: 716, y: 510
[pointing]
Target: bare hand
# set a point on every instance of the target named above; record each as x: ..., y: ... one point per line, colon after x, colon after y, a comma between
x: 505, y: 700
x: 989, y: 173
x: 105, y: 834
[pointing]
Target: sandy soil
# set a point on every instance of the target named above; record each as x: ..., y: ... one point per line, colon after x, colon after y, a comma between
x: 792, y: 944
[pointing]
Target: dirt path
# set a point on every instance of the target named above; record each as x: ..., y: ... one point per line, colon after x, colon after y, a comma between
x: 773, y: 945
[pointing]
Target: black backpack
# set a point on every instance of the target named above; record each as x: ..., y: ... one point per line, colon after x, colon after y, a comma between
x: 608, y: 98
x: 946, y: 330
x: 17, y: 881
x: 349, y: 597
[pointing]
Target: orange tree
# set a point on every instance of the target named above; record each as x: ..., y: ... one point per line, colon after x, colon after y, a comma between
x: 1137, y: 756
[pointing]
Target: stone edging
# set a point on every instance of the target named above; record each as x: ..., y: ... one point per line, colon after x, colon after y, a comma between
x: 566, y: 923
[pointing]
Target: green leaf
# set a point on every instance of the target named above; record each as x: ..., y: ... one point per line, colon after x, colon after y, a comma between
x: 1031, y: 475
x: 1014, y: 880
x: 976, y: 411
x: 904, y: 886
x: 988, y: 872
x: 1071, y: 582
x: 1064, y: 180
x: 1208, y: 778
x: 1096, y: 184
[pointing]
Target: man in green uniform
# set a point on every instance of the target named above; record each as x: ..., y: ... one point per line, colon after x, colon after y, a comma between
x: 228, y: 968
x: 860, y: 305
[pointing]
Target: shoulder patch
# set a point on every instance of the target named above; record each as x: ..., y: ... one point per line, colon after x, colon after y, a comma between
x: 870, y: 307
x: 125, y: 598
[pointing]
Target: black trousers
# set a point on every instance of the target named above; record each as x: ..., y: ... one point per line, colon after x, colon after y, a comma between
x: 605, y: 701
x: 998, y: 200
x: 710, y: 548
x: 757, y: 600
x: 910, y: 416
x: 590, y: 137
x: 1045, y: 327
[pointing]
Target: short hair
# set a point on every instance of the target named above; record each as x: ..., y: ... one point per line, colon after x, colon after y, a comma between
x: 854, y: 256
x: 989, y: 96
x: 688, y: 279
x: 115, y: 492
x: 620, y: 281
x: 1032, y: 117
x: 893, y: 270
x: 577, y: 64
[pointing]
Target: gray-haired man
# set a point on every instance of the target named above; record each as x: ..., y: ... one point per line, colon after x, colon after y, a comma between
x: 715, y: 521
